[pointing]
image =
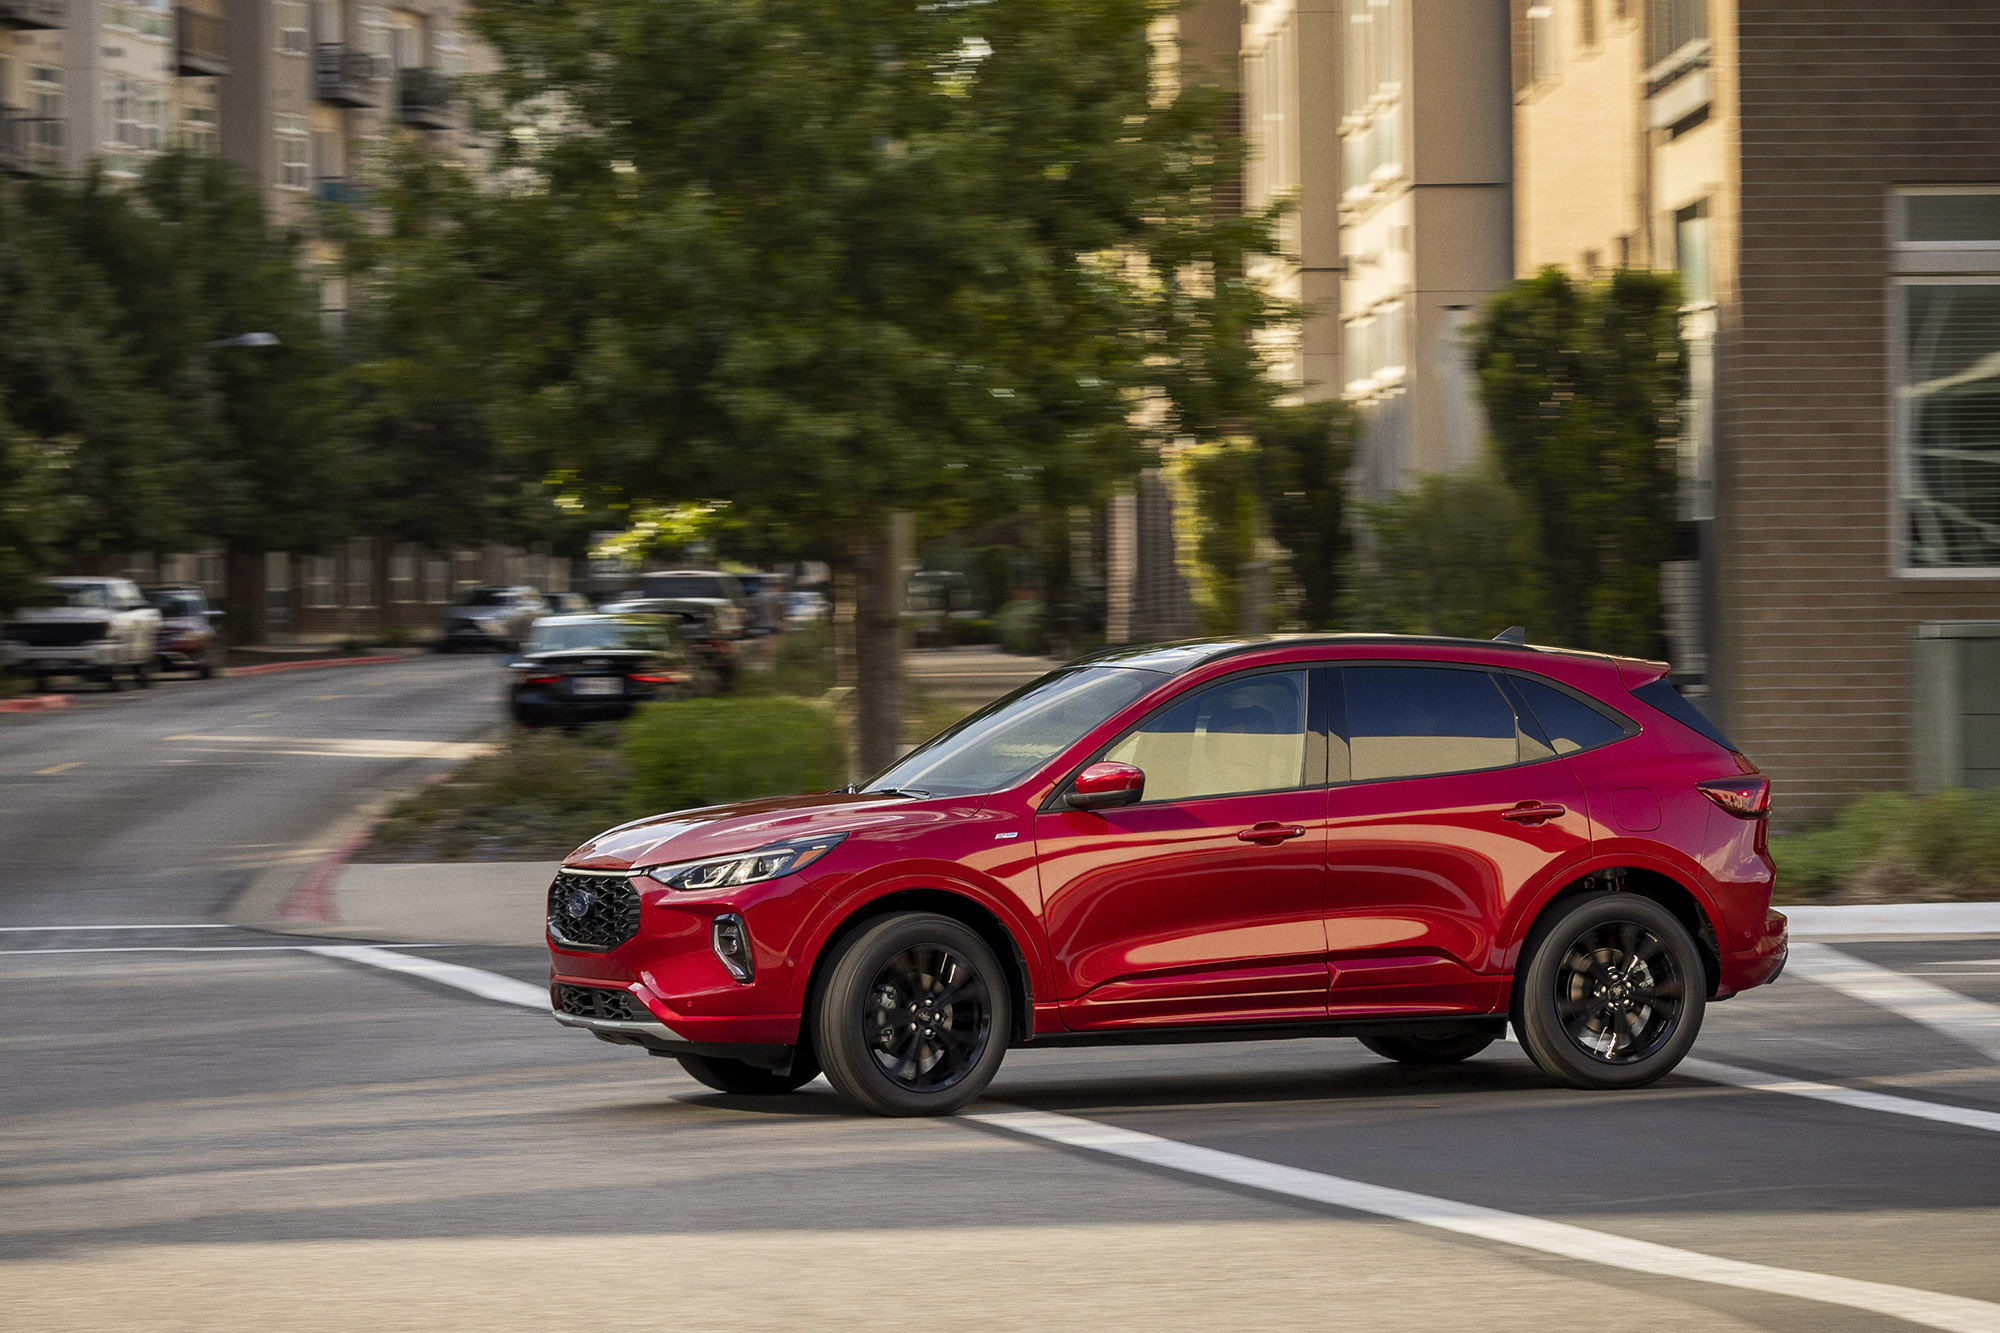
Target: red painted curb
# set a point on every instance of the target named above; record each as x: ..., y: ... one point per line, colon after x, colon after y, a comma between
x: 34, y: 703
x: 312, y: 900
x: 265, y: 668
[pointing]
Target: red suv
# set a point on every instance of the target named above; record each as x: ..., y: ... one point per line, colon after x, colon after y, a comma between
x: 1412, y: 841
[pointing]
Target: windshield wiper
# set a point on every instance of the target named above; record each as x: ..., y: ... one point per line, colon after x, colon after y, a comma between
x: 889, y: 791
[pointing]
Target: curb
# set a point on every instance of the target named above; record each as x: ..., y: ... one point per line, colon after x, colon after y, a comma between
x: 311, y: 903
x: 1864, y: 920
x: 309, y: 664
x: 34, y: 703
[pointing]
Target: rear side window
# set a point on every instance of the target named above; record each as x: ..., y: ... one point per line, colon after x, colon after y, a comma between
x: 1407, y: 722
x: 1663, y: 696
x: 1569, y: 723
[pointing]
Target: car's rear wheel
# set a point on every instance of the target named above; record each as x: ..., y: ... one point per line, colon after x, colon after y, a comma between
x: 1613, y: 994
x: 142, y: 675
x: 112, y: 684
x: 725, y: 1075
x: 1443, y: 1048
x: 914, y: 1016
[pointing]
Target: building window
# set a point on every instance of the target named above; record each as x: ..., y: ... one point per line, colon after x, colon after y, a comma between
x: 321, y: 574
x: 293, y: 37
x: 1372, y: 131
x: 198, y: 130
x: 450, y: 49
x: 148, y: 18
x: 1672, y: 25
x: 1586, y: 22
x: 277, y: 592
x: 45, y: 104
x: 360, y: 573
x: 1541, y: 43
x: 294, y: 152
x: 1691, y: 255
x: 135, y: 115
x: 1947, y: 349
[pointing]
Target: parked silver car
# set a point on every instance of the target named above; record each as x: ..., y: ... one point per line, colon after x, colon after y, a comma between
x: 490, y: 617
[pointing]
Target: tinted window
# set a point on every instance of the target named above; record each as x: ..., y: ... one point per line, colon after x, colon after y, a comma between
x: 1569, y: 722
x: 581, y: 636
x: 487, y: 597
x: 1404, y: 722
x: 1010, y: 738
x: 1663, y: 696
x: 1243, y: 735
x: 175, y: 604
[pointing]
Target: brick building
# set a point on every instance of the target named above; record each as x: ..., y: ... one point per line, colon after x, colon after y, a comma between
x: 1827, y: 179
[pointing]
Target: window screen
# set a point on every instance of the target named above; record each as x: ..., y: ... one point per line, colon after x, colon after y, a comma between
x: 1570, y: 724
x: 1405, y: 722
x: 1239, y: 736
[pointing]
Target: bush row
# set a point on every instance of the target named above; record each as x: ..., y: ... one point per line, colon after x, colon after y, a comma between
x: 1945, y: 846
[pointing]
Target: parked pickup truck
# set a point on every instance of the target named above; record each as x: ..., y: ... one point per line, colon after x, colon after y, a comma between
x: 98, y: 628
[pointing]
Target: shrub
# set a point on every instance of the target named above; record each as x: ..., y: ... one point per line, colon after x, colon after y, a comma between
x: 1947, y: 845
x: 708, y: 751
x: 1022, y: 628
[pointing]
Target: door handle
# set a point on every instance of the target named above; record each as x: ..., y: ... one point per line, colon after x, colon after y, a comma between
x: 1270, y: 833
x: 1534, y: 812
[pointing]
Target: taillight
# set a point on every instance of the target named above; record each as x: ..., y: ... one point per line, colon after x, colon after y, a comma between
x: 650, y: 680
x: 1746, y: 798
x: 543, y: 680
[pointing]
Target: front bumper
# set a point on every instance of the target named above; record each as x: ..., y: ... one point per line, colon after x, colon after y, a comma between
x: 754, y: 1039
x: 1761, y: 963
x: 68, y: 657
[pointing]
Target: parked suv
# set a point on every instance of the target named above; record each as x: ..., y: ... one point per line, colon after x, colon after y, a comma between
x: 1411, y: 841
x: 188, y: 637
x: 96, y: 628
x: 491, y: 617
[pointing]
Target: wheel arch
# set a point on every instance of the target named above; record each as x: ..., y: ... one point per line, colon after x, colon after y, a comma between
x: 1667, y: 887
x: 953, y: 903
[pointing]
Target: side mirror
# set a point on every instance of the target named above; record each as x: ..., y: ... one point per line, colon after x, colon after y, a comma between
x: 1104, y: 785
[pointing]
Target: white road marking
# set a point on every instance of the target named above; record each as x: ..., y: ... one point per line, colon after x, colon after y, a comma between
x: 1929, y: 1308
x: 1860, y: 1098
x: 1973, y: 1022
x: 1820, y: 923
x: 58, y: 768
x: 191, y: 948
x: 51, y: 930
x: 486, y: 985
x: 347, y: 747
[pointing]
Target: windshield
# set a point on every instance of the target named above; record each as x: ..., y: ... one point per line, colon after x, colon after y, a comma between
x: 579, y: 636
x: 685, y: 585
x: 173, y: 604
x: 92, y: 595
x: 486, y: 597
x: 1007, y: 740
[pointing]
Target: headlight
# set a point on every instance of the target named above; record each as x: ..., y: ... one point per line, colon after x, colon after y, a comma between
x: 780, y: 858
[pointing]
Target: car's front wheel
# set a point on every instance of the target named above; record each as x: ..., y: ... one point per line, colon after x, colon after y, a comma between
x: 748, y: 1080
x: 1443, y: 1048
x: 1613, y: 993
x: 914, y: 1016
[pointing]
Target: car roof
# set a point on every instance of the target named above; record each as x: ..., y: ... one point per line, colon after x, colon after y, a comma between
x: 1188, y: 654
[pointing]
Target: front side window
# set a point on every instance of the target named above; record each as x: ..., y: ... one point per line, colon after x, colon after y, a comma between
x: 1410, y: 721
x: 1243, y: 735
x: 1013, y: 736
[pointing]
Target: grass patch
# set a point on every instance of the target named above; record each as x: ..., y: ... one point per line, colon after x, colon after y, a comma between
x: 710, y: 751
x: 1887, y: 848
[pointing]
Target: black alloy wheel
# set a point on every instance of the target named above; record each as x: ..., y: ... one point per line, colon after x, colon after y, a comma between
x: 748, y: 1080
x: 914, y: 1016
x: 1614, y: 992
x: 1441, y: 1048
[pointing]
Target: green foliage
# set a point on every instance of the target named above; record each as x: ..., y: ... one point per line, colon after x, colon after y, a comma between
x: 1582, y: 385
x: 1303, y: 453
x: 1220, y: 496
x: 1021, y: 627
x: 1945, y: 846
x: 708, y: 751
x: 35, y: 509
x: 1454, y: 555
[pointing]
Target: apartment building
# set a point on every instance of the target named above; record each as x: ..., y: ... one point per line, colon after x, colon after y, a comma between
x: 1826, y: 179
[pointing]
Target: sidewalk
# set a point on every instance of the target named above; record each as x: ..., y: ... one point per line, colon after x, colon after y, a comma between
x: 972, y: 677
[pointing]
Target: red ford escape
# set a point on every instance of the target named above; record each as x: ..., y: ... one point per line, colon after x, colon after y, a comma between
x: 1412, y: 841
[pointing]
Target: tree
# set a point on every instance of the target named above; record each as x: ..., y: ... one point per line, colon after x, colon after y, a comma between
x: 1582, y: 385
x: 1303, y: 453
x: 833, y: 261
x: 34, y: 511
x: 1454, y: 555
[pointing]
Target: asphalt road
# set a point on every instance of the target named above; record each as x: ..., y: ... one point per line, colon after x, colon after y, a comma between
x: 223, y: 1129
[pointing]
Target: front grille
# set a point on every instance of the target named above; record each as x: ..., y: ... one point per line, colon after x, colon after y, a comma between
x: 595, y: 912
x: 597, y: 1002
x: 57, y: 633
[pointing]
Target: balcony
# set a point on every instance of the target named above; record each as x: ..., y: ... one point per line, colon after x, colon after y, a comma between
x: 29, y: 145
x: 31, y: 13
x: 348, y: 77
x: 199, y: 39
x: 423, y: 99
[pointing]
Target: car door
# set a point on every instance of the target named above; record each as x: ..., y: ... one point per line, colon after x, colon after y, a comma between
x: 1200, y: 903
x: 1451, y: 807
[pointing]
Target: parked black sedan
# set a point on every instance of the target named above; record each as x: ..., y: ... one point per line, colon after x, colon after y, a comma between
x: 591, y: 668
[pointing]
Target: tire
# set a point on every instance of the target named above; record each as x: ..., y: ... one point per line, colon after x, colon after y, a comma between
x: 142, y: 675
x: 875, y: 1016
x: 112, y: 684
x: 1613, y: 993
x: 41, y: 684
x: 1443, y: 1048
x: 206, y: 671
x: 747, y: 1080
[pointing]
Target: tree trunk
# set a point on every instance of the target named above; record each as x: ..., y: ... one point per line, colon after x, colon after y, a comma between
x: 878, y: 643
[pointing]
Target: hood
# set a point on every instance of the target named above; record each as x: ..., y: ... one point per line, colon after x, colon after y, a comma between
x: 48, y: 615
x: 724, y: 830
